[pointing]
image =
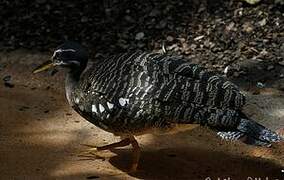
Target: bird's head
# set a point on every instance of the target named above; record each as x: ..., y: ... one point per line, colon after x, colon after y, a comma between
x: 70, y: 55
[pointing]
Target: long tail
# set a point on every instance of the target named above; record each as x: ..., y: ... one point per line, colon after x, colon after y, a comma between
x: 250, y: 132
x: 257, y: 132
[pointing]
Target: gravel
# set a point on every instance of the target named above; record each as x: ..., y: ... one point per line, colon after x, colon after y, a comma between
x: 213, y: 33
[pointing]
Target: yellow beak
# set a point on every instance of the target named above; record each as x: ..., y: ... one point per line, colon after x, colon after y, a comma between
x: 46, y: 65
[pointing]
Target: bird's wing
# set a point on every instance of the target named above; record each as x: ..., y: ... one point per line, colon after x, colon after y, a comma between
x: 167, y: 78
x: 181, y: 81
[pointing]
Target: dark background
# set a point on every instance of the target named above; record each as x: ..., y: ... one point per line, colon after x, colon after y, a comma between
x: 231, y: 32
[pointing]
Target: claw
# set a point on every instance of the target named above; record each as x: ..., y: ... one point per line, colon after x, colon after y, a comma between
x: 92, y: 151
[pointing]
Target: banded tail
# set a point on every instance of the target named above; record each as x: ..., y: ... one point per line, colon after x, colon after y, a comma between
x: 250, y: 132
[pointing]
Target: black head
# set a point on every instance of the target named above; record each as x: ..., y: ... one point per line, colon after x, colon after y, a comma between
x: 70, y: 54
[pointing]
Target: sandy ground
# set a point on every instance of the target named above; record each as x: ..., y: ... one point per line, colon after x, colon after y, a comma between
x: 40, y: 137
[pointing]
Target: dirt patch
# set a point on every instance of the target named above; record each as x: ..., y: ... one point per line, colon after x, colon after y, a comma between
x: 40, y: 137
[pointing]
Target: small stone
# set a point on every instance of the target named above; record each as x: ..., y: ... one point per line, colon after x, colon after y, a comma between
x: 236, y: 74
x: 281, y: 63
x: 170, y: 38
x: 193, y: 46
x: 263, y: 52
x: 270, y: 67
x: 198, y: 38
x: 182, y: 40
x: 154, y: 13
x: 247, y: 27
x: 139, y: 36
x: 262, y: 22
x: 252, y: 1
x: 207, y: 43
x: 230, y: 26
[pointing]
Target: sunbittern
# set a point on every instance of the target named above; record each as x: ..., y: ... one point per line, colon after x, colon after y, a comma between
x: 132, y: 93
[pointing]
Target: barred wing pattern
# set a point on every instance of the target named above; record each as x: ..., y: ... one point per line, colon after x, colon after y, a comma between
x: 135, y: 91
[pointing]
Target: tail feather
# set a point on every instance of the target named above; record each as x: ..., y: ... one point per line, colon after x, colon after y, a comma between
x: 250, y: 132
x: 257, y: 131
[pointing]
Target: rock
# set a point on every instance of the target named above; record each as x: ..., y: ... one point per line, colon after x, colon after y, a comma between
x: 230, y: 26
x: 270, y: 67
x: 252, y: 1
x: 155, y: 12
x: 207, y: 43
x: 139, y: 36
x: 262, y: 22
x: 281, y: 63
x: 193, y: 46
x: 236, y: 74
x: 170, y: 38
x: 247, y: 27
x: 198, y: 38
x: 263, y: 52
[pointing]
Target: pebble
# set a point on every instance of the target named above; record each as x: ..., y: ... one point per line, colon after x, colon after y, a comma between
x: 270, y: 67
x: 154, y: 13
x: 139, y: 36
x: 170, y: 38
x: 230, y: 26
x: 262, y: 22
x: 198, y: 38
x: 281, y: 63
x: 247, y: 27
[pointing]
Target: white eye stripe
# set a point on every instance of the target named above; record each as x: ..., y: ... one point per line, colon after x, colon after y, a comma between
x: 62, y: 50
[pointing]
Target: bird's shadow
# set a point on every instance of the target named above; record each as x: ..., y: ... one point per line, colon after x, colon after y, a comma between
x: 186, y: 161
x: 180, y: 163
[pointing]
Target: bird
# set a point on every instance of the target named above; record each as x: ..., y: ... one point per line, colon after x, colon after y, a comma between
x: 135, y: 92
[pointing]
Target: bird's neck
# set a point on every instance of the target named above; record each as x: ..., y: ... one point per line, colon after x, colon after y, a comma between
x: 71, y: 82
